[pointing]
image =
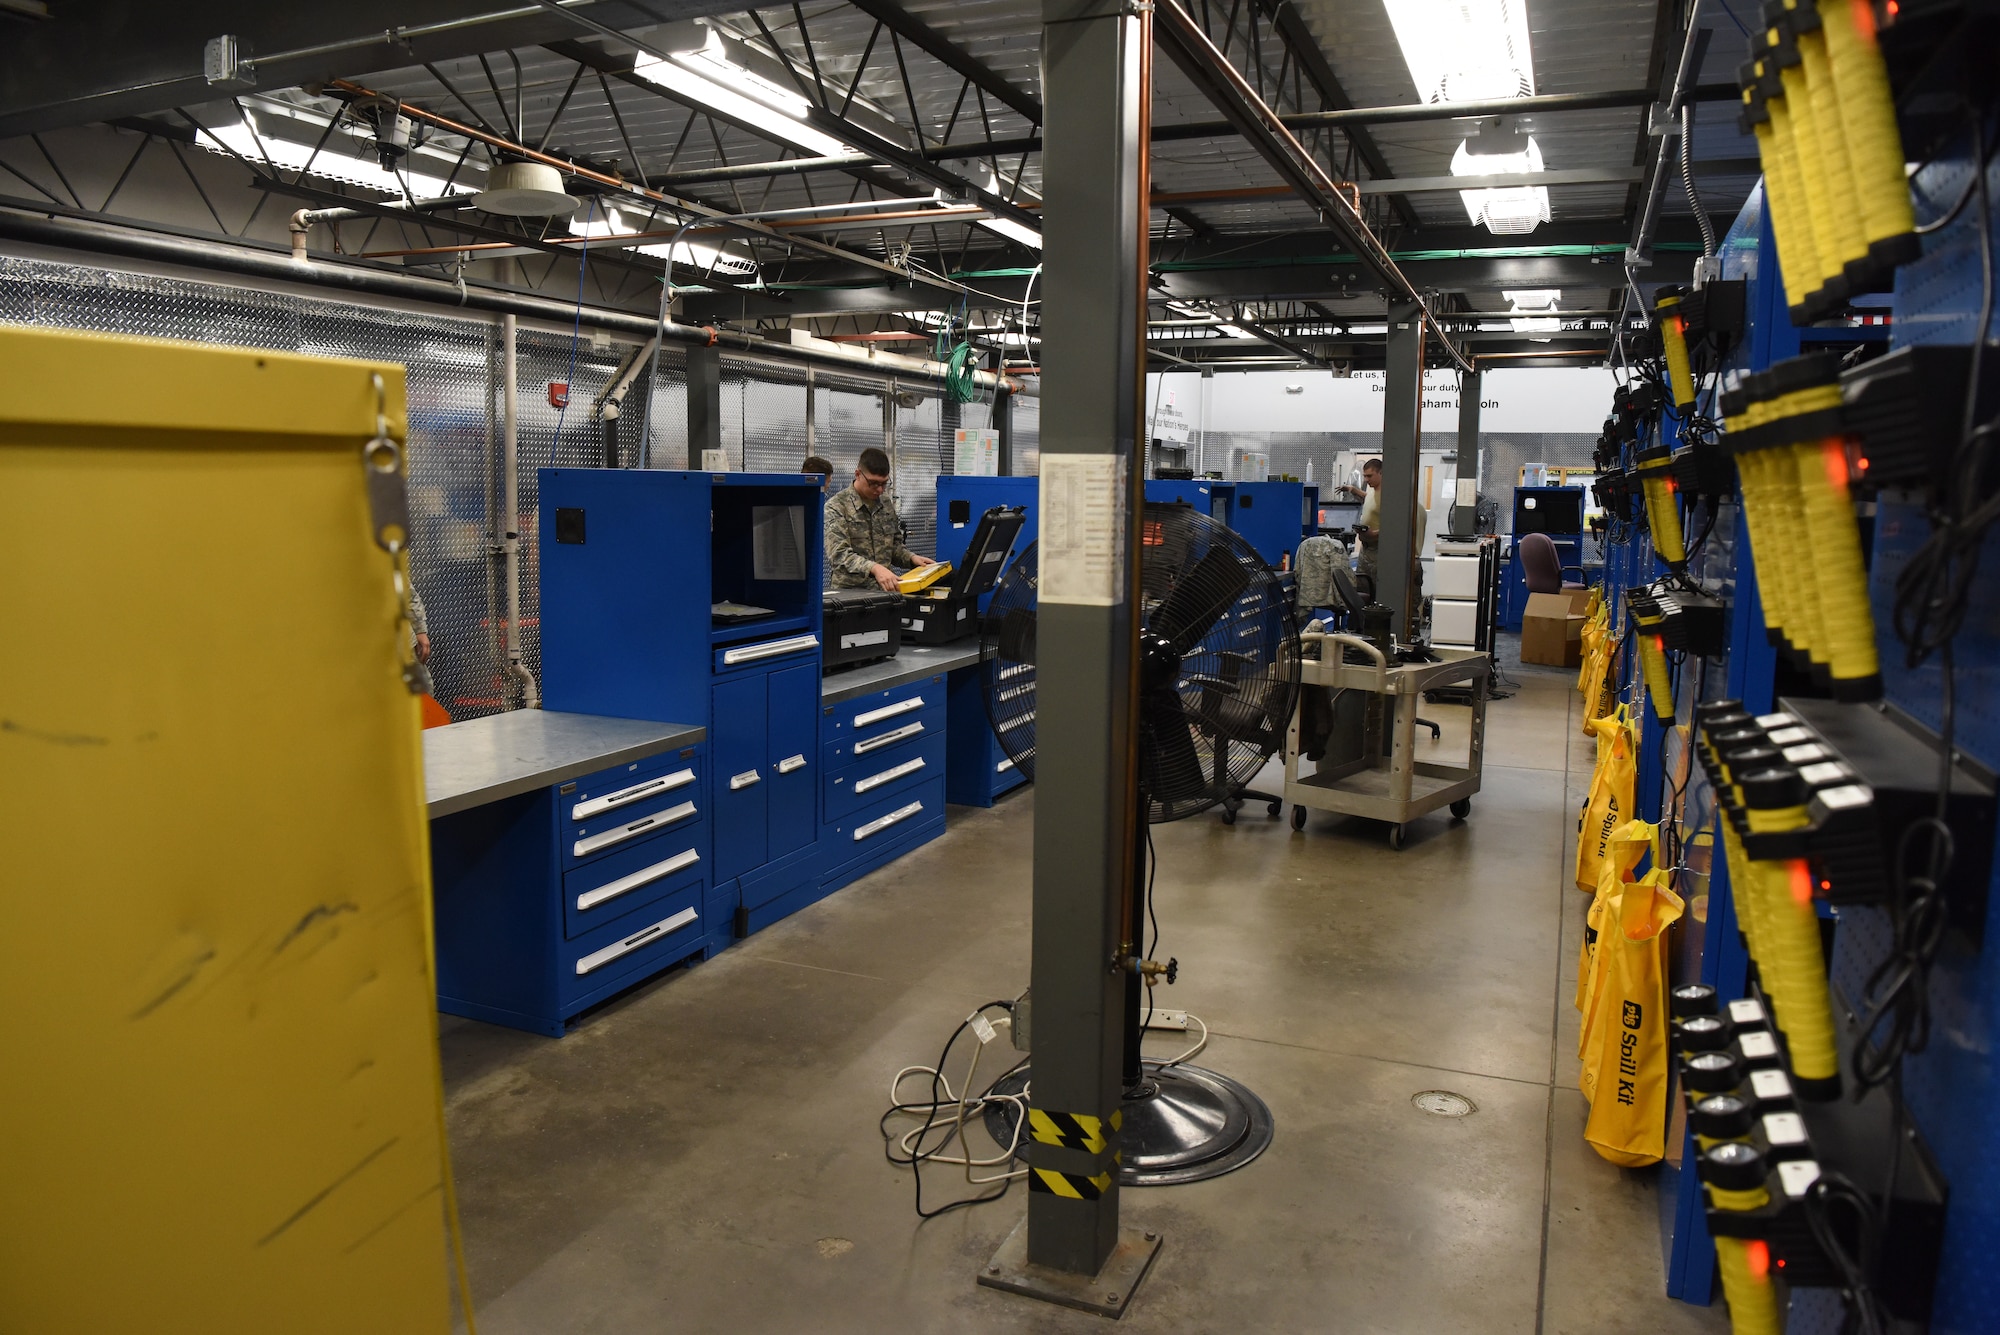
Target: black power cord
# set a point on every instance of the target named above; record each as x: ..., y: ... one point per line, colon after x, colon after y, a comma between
x: 941, y: 1112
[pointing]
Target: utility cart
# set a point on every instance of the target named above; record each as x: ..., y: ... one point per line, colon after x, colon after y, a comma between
x: 1358, y: 779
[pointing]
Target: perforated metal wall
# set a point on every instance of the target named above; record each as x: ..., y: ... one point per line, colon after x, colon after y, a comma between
x: 454, y: 370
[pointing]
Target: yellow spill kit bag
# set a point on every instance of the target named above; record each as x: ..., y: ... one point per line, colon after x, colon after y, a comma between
x: 1609, y: 802
x: 1628, y: 1112
x: 1627, y: 848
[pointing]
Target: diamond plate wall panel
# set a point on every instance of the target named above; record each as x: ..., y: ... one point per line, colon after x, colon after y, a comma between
x: 773, y: 423
x: 923, y: 454
x: 844, y: 424
x: 1027, y: 452
x: 1815, y: 1312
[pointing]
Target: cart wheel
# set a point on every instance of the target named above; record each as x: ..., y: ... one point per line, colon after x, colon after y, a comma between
x: 1276, y: 809
x: 1396, y: 837
x: 1298, y: 818
x: 1228, y: 815
x: 1462, y: 808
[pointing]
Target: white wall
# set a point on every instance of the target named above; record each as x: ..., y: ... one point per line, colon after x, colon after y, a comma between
x: 1535, y: 399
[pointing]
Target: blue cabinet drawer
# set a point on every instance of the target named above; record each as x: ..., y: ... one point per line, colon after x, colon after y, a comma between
x: 584, y: 841
x: 782, y: 649
x: 907, y: 731
x: 867, y: 716
x: 867, y: 781
x: 880, y: 822
x: 649, y: 938
x: 882, y: 832
x: 598, y: 797
x: 615, y: 885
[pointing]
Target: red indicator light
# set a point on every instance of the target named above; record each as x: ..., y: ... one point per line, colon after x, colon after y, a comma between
x: 1758, y: 1253
x: 1802, y: 881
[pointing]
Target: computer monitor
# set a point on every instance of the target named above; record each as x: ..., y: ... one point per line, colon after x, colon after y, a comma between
x: 1557, y: 511
x: 1339, y: 514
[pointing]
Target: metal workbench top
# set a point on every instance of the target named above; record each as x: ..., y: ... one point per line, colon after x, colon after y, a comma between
x: 502, y: 755
x: 913, y: 662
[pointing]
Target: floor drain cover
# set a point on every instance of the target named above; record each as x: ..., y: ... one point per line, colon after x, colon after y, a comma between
x: 1444, y: 1103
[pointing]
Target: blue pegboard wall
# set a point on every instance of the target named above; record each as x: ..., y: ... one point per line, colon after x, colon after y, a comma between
x: 1937, y: 298
x: 1953, y: 1086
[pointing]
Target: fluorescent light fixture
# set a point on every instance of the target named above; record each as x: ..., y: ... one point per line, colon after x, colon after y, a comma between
x: 1465, y: 50
x: 1507, y: 210
x: 1013, y: 231
x: 710, y: 79
x: 1476, y: 50
x: 611, y: 223
x: 1535, y: 311
x: 334, y: 163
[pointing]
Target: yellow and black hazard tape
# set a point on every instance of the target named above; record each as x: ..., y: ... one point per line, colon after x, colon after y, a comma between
x: 1076, y: 1131
x: 1073, y: 1185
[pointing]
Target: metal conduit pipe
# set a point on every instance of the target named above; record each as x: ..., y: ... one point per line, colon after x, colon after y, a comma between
x: 1693, y: 46
x: 304, y: 219
x: 510, y: 521
x: 40, y: 228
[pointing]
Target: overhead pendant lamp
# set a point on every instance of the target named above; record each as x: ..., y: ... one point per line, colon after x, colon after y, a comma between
x: 526, y: 190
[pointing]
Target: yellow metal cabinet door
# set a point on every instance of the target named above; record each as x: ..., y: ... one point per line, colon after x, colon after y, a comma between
x: 221, y: 1111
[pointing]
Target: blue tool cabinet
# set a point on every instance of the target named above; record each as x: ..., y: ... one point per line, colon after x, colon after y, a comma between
x: 1269, y: 515
x: 551, y: 901
x: 962, y: 500
x: 882, y: 777
x: 631, y: 561
x: 1200, y: 492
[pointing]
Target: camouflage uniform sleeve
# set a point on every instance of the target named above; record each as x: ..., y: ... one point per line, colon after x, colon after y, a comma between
x: 846, y: 566
x: 419, y: 622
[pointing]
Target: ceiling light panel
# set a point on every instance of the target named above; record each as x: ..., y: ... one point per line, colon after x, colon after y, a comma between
x: 1465, y: 50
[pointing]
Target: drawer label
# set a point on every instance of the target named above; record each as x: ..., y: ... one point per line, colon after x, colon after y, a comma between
x: 864, y: 637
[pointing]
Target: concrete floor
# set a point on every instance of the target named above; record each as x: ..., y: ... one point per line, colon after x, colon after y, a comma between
x: 702, y: 1154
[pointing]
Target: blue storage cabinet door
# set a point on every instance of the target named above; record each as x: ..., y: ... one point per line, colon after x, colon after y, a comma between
x: 792, y: 758
x: 739, y: 746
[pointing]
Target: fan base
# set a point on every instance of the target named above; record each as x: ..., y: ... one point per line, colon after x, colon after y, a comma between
x: 1184, y: 1124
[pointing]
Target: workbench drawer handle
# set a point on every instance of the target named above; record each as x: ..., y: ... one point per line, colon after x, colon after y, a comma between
x: 659, y: 820
x: 597, y: 959
x: 888, y: 711
x: 1003, y: 767
x: 890, y: 738
x: 738, y: 782
x: 751, y: 653
x: 590, y: 899
x: 791, y: 763
x: 665, y: 783
x: 881, y: 823
x: 888, y: 775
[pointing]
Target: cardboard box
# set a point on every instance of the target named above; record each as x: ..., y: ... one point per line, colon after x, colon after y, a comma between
x: 1551, y: 634
x: 1579, y: 600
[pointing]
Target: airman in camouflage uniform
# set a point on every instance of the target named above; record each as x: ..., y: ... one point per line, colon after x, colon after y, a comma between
x: 864, y: 534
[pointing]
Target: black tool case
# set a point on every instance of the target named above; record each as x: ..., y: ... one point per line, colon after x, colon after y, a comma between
x: 949, y: 609
x: 861, y: 625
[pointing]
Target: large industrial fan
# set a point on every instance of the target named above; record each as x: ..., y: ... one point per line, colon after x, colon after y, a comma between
x: 1218, y: 677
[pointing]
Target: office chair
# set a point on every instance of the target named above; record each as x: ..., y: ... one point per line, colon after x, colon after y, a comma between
x: 1233, y: 709
x: 1348, y: 588
x: 1542, y: 567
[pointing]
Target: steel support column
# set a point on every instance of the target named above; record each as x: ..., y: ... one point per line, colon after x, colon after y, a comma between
x: 1095, y: 80
x: 1402, y: 417
x: 704, y: 403
x: 1471, y: 388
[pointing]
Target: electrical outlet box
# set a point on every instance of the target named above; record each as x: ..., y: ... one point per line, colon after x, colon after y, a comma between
x: 1176, y: 1021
